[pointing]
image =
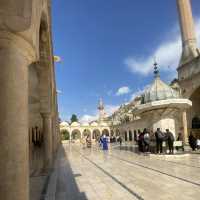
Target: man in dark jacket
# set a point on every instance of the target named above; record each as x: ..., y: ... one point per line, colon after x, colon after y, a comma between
x: 170, y: 140
x: 192, y: 141
x: 159, y: 140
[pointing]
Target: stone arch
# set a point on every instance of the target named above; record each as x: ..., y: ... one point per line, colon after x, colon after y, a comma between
x: 41, y: 99
x: 194, y: 112
x: 44, y: 66
x: 117, y: 132
x: 135, y: 135
x: 125, y: 135
x: 86, y: 132
x: 112, y: 133
x: 65, y: 134
x: 76, y: 135
x: 106, y: 132
x: 130, y: 135
x: 96, y: 134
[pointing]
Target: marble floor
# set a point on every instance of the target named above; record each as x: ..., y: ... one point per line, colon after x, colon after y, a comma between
x: 91, y: 174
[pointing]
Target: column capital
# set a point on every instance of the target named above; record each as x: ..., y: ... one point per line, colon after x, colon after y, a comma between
x: 46, y: 115
x: 11, y: 40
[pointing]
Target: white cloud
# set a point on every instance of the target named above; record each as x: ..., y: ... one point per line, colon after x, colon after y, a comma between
x: 88, y: 118
x: 59, y: 91
x: 123, y: 90
x: 167, y: 54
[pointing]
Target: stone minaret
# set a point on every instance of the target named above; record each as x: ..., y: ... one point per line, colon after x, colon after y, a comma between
x: 101, y: 110
x: 189, y: 42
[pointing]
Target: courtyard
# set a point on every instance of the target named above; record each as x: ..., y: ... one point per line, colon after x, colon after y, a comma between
x: 91, y: 174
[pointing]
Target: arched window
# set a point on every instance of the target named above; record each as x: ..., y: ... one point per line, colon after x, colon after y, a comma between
x: 196, y: 123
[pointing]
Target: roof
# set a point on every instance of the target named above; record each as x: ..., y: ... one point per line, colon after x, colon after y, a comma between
x: 159, y: 90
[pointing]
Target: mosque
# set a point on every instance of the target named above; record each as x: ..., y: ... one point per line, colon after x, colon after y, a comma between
x: 174, y: 106
x: 159, y: 106
x: 94, y: 129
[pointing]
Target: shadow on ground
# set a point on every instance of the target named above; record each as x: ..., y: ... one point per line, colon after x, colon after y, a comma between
x: 67, y: 187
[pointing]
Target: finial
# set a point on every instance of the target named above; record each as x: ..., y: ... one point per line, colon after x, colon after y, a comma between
x: 156, y: 70
x: 100, y: 106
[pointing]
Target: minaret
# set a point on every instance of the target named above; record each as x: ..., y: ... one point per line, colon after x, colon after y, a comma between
x: 189, y: 42
x: 101, y: 110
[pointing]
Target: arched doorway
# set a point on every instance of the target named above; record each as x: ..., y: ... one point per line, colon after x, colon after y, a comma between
x: 112, y: 134
x: 130, y: 135
x: 86, y: 133
x: 76, y: 135
x: 117, y: 133
x: 194, y: 113
x: 196, y: 122
x: 65, y: 134
x: 125, y: 136
x: 135, y: 136
x: 96, y: 134
x: 105, y: 132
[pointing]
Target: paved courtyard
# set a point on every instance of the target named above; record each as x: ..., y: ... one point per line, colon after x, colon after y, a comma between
x: 91, y: 174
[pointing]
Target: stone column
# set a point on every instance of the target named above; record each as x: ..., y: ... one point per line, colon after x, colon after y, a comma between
x: 189, y: 42
x: 185, y: 127
x: 70, y: 135
x: 48, y: 146
x: 14, y: 132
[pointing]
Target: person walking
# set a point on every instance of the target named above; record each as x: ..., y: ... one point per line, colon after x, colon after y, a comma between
x: 120, y: 141
x: 88, y: 141
x: 192, y: 141
x: 170, y: 140
x: 105, y: 142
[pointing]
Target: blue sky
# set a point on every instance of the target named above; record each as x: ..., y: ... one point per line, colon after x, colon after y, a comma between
x: 106, y: 45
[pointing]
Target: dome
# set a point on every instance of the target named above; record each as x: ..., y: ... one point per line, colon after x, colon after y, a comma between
x: 159, y: 91
x: 75, y: 124
x: 85, y: 124
x: 103, y: 124
x: 94, y: 124
x: 64, y: 124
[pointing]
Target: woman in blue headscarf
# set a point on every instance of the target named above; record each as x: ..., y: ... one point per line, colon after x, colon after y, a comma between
x: 105, y: 143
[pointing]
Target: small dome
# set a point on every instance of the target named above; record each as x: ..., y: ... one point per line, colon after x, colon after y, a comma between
x: 94, y: 124
x: 85, y: 124
x: 64, y: 124
x: 75, y: 124
x: 159, y: 91
x: 103, y: 124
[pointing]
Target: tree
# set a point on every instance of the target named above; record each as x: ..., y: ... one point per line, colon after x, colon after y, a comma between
x: 74, y: 118
x: 64, y: 135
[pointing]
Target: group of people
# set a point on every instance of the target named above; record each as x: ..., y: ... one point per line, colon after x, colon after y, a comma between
x: 144, y: 139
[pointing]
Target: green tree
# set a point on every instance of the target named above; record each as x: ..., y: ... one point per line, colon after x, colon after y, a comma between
x: 74, y: 118
x: 64, y: 135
